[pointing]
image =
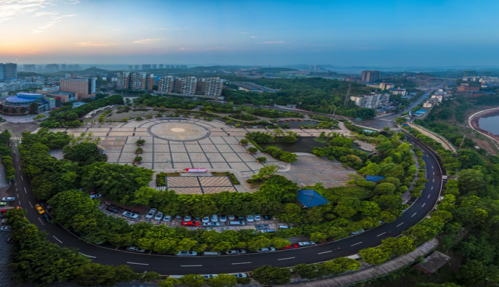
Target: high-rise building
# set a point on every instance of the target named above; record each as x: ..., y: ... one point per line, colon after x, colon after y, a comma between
x: 161, y: 66
x: 8, y: 71
x: 82, y: 88
x: 137, y: 67
x: 123, y: 80
x: 64, y: 67
x: 130, y: 67
x: 166, y: 85
x: 141, y: 81
x: 372, y: 101
x: 370, y: 76
x: 154, y: 66
x: 52, y: 68
x: 146, y: 66
x: 188, y: 85
x: 29, y: 67
x: 213, y: 87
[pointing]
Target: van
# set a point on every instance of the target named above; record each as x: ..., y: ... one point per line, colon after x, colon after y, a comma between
x: 211, y: 253
x: 237, y: 223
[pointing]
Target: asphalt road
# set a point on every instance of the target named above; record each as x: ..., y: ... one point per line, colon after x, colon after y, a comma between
x: 168, y: 265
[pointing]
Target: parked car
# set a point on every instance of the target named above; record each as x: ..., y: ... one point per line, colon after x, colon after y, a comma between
x: 211, y: 224
x: 266, y: 249
x: 223, y: 218
x: 206, y: 219
x: 3, y: 203
x: 357, y: 232
x: 113, y: 209
x: 5, y: 228
x: 94, y: 196
x: 232, y: 218
x: 306, y: 243
x: 178, y: 217
x: 267, y: 217
x: 250, y: 218
x: 267, y: 231
x: 188, y: 218
x: 151, y: 213
x: 167, y: 218
x: 187, y: 253
x: 39, y: 209
x: 135, y: 249
x: 190, y: 223
x: 130, y: 215
x: 236, y: 251
x: 240, y: 218
x: 158, y: 216
x: 46, y: 217
x: 239, y: 275
x: 214, y: 218
x: 294, y: 245
x: 208, y: 276
x: 8, y: 198
x: 258, y: 217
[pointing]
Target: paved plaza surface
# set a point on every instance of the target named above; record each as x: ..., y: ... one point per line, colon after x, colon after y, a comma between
x: 173, y: 144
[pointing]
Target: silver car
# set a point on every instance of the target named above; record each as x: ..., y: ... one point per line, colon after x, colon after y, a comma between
x: 187, y: 253
x: 250, y: 218
x: 214, y: 218
x: 211, y: 224
x: 158, y: 216
x: 151, y: 213
x: 135, y: 249
x: 130, y: 215
x: 266, y: 249
x: 167, y: 218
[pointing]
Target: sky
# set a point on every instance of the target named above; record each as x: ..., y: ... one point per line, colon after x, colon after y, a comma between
x: 251, y: 32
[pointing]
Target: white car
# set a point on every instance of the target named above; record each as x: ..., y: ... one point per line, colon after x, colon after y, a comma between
x: 444, y: 177
x: 187, y: 253
x: 214, y: 218
x: 266, y: 249
x: 187, y: 218
x: 236, y: 251
x: 357, y: 232
x: 151, y: 213
x: 223, y: 218
x: 130, y: 215
x: 239, y: 275
x: 158, y: 216
x: 167, y: 218
x: 232, y: 218
x: 94, y: 196
x: 135, y: 249
x: 208, y: 276
x: 306, y: 243
x: 211, y: 224
x: 5, y: 228
x: 250, y: 218
x: 258, y: 217
x: 8, y: 198
x: 206, y: 219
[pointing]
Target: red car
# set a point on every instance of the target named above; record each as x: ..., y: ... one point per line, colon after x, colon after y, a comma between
x: 290, y: 246
x: 190, y: 223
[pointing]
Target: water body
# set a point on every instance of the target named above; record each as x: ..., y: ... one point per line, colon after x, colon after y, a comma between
x: 304, y: 144
x: 297, y: 124
x: 490, y: 123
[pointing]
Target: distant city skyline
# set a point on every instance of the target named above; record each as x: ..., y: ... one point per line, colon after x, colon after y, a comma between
x: 274, y: 32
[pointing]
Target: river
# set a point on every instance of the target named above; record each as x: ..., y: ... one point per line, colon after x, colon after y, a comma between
x: 490, y: 123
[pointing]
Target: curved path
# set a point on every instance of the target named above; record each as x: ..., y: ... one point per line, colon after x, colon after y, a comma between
x: 168, y: 265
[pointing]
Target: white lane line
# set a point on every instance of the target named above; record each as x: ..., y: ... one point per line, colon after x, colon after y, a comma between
x: 16, y: 188
x: 57, y: 239
x: 41, y: 221
x: 433, y: 173
x: 19, y: 202
x: 187, y: 265
x: 432, y: 167
x: 414, y: 214
x: 433, y: 180
x: 87, y: 255
x: 356, y: 243
x: 137, y: 263
x: 238, y: 263
x: 429, y: 195
x: 25, y: 190
x: 22, y: 178
x: 400, y: 224
x: 18, y: 195
x: 432, y: 187
x: 423, y: 204
x: 380, y: 234
x: 30, y: 204
x: 325, y: 252
x: 286, y: 258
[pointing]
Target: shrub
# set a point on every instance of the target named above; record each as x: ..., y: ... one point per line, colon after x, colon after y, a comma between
x: 244, y: 142
x: 161, y: 179
x: 261, y: 159
x: 252, y: 150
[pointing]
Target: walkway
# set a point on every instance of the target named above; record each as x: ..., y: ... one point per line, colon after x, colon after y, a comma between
x: 445, y: 143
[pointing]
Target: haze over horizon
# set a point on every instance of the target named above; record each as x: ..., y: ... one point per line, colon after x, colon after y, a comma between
x: 276, y: 32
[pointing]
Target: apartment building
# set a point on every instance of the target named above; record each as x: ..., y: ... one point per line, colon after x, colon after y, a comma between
x: 372, y: 101
x: 370, y: 76
x: 8, y: 71
x: 122, y: 80
x: 141, y: 81
x: 82, y: 88
x: 166, y: 85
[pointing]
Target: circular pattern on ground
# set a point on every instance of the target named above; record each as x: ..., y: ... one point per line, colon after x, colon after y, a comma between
x: 177, y: 131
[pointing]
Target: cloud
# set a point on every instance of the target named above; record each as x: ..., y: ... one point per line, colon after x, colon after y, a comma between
x: 147, y: 41
x: 274, y: 42
x: 171, y: 29
x: 12, y: 9
x: 253, y: 37
x: 94, y: 44
x: 45, y: 13
x: 52, y: 22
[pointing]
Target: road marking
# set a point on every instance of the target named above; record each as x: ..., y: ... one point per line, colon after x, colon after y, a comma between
x: 432, y: 167
x: 186, y: 265
x: 432, y: 187
x: 381, y: 234
x: 16, y: 188
x: 41, y: 221
x: 286, y: 258
x: 429, y: 195
x: 22, y: 178
x: 87, y: 255
x: 237, y: 263
x: 433, y: 180
x: 57, y: 239
x: 25, y: 190
x: 19, y: 202
x: 423, y: 204
x: 414, y: 214
x: 18, y: 195
x: 140, y: 263
x: 30, y: 204
x: 325, y: 252
x: 356, y: 243
x: 433, y: 173
x: 400, y: 224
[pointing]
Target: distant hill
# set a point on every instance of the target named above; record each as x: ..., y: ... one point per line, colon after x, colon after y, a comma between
x: 92, y: 70
x: 27, y: 74
x: 273, y: 70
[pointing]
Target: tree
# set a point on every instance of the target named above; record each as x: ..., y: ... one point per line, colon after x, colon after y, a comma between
x: 265, y: 172
x: 252, y: 150
x: 318, y: 237
x: 306, y: 271
x: 374, y: 256
x: 268, y: 275
x: 193, y: 280
x: 140, y: 142
x: 471, y: 273
x: 223, y: 280
x: 259, y: 243
x: 244, y: 142
x: 83, y: 153
x: 169, y: 282
x: 279, y: 242
x: 399, y: 245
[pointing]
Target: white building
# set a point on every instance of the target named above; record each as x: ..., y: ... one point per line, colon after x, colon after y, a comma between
x: 372, y: 101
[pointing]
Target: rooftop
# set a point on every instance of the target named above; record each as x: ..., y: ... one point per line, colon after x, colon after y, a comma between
x: 59, y: 93
x: 433, y: 262
x: 311, y: 198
